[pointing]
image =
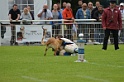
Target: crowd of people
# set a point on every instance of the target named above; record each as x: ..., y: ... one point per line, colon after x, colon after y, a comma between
x: 84, y: 11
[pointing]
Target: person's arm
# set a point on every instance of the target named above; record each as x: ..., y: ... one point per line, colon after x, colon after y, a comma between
x: 104, y: 16
x: 95, y: 16
x: 10, y: 16
x: 77, y: 14
x: 21, y: 17
x: 119, y: 20
x: 40, y: 13
x: 72, y: 15
x: 60, y: 15
x: 18, y: 17
x: 64, y: 14
x: 32, y: 15
x: 92, y: 14
x: 30, y: 18
x: 88, y: 12
x: 50, y: 15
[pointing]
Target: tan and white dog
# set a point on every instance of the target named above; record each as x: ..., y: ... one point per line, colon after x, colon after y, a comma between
x: 51, y: 43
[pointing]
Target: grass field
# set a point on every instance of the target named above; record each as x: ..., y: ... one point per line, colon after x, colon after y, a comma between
x: 27, y: 64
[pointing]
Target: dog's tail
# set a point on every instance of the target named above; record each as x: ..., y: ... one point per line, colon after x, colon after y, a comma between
x: 44, y: 34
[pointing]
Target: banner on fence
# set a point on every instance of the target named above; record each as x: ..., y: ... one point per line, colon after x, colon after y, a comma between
x: 32, y: 33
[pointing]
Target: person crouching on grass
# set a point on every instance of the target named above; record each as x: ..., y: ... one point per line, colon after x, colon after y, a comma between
x: 111, y: 22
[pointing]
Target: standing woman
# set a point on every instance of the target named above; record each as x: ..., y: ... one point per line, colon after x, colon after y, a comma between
x: 26, y: 16
x: 56, y: 15
x: 111, y: 22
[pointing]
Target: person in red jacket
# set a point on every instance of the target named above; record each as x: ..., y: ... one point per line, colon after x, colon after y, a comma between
x: 67, y: 14
x: 111, y: 22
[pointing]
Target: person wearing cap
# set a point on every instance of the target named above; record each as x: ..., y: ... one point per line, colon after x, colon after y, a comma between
x: 112, y: 23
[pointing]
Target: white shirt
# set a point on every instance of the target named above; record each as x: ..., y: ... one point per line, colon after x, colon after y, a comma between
x: 122, y: 12
x: 48, y: 15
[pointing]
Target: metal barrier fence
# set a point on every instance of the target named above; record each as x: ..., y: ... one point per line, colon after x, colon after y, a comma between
x: 92, y: 30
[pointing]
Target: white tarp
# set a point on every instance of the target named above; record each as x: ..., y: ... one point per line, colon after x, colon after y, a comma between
x: 32, y: 33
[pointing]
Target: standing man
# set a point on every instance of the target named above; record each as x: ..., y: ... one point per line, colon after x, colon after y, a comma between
x: 67, y: 14
x: 98, y: 32
x: 95, y: 9
x: 45, y: 14
x: 90, y: 7
x: 64, y: 5
x: 29, y: 9
x: 80, y: 3
x: 83, y: 13
x: 14, y: 14
x: 111, y: 22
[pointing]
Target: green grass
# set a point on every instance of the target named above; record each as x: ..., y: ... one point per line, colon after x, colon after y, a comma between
x: 27, y: 64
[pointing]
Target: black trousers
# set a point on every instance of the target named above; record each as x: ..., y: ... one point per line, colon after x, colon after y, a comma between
x: 115, y: 36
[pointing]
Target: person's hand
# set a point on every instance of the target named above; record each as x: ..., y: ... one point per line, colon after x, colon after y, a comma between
x: 100, y: 17
x: 104, y: 28
x: 10, y: 20
x: 16, y: 19
x: 45, y: 19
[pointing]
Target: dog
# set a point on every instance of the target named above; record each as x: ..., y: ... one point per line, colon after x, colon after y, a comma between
x: 54, y: 43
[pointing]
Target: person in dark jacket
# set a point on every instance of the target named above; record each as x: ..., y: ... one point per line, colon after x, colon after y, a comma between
x: 98, y: 13
x: 95, y: 9
x: 98, y: 32
x: 111, y: 22
x: 80, y: 3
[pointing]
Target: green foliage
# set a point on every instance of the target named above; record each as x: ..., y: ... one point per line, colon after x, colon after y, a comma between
x: 27, y: 64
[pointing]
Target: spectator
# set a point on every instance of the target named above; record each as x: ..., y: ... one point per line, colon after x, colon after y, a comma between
x: 56, y: 15
x: 32, y: 15
x: 98, y: 13
x: 26, y: 16
x: 80, y: 2
x: 14, y: 14
x: 98, y: 31
x: 122, y: 9
x: 83, y: 13
x: 68, y: 15
x: 95, y: 9
x: 92, y: 14
x: 91, y: 27
x: 29, y: 9
x: 90, y: 7
x: 121, y: 33
x: 59, y: 8
x: 63, y: 5
x: 45, y: 14
x: 111, y: 22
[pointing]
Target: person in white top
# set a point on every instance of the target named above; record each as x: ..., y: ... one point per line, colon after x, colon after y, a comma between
x: 122, y: 9
x: 45, y: 14
x: 120, y: 33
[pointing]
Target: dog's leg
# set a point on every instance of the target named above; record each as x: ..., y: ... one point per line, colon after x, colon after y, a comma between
x: 46, y: 51
x: 55, y: 52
